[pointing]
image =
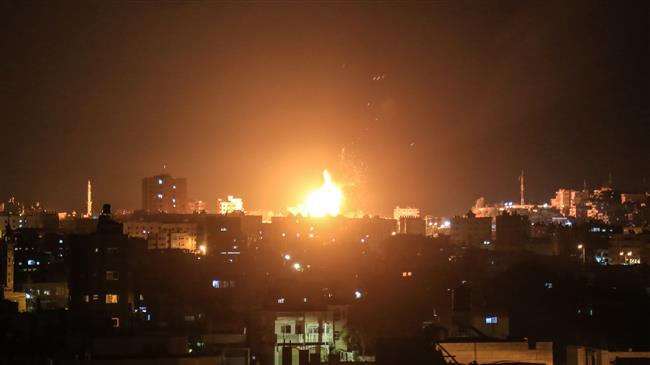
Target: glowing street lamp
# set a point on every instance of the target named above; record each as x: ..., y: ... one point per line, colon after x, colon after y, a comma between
x: 203, y: 249
x: 584, y: 257
x: 297, y: 266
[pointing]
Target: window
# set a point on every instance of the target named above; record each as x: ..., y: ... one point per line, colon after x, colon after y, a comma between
x: 112, y: 275
x: 113, y: 251
x: 300, y: 328
x: 285, y: 328
x: 95, y: 297
x: 216, y: 284
x: 85, y: 298
x: 337, y: 335
x: 116, y: 322
x: 491, y: 320
x: 112, y: 298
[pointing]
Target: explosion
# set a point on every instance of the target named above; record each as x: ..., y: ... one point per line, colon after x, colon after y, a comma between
x: 325, y: 201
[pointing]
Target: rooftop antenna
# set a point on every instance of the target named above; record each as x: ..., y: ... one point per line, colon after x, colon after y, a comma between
x: 522, y: 189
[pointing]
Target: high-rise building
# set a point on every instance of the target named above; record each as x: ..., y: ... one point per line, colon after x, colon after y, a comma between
x: 165, y: 194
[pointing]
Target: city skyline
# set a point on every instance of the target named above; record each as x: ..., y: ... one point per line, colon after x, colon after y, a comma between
x: 325, y: 182
x: 433, y: 111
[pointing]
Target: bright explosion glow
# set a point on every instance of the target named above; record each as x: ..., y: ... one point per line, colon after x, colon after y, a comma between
x: 325, y: 201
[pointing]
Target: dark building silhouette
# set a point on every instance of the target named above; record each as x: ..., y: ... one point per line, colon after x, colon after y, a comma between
x: 102, y: 270
x: 513, y: 230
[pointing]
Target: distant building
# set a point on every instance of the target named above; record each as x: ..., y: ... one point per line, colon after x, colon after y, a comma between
x: 471, y: 230
x: 101, y: 280
x: 46, y: 295
x: 512, y: 230
x: 7, y: 278
x: 408, y: 217
x: 36, y: 220
x: 484, y: 352
x: 581, y: 355
x: 311, y: 335
x: 410, y: 225
x: 196, y: 206
x: 163, y: 235
x: 231, y: 205
x: 571, y: 203
x: 164, y: 194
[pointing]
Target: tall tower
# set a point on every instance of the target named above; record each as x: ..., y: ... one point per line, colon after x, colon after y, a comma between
x: 89, y: 201
x: 522, y: 191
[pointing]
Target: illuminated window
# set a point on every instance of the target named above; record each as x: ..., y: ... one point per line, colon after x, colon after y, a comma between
x: 216, y: 284
x: 280, y: 300
x: 116, y: 322
x: 112, y: 298
x: 160, y: 181
x: 224, y: 229
x: 95, y: 297
x: 86, y: 298
x: 491, y: 320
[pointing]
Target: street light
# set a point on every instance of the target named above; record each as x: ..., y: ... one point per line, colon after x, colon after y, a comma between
x: 584, y: 258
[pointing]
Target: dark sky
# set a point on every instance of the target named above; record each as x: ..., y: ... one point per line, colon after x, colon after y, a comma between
x: 257, y: 99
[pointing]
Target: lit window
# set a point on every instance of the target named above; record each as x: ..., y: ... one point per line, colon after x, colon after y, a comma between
x: 116, y: 322
x: 216, y: 284
x: 491, y: 320
x: 112, y: 298
x: 224, y: 229
x: 95, y: 297
x: 548, y: 285
x: 280, y: 300
x: 160, y: 181
x: 160, y: 196
x: 86, y: 298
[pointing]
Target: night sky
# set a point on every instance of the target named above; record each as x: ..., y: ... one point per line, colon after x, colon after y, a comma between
x: 257, y: 99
